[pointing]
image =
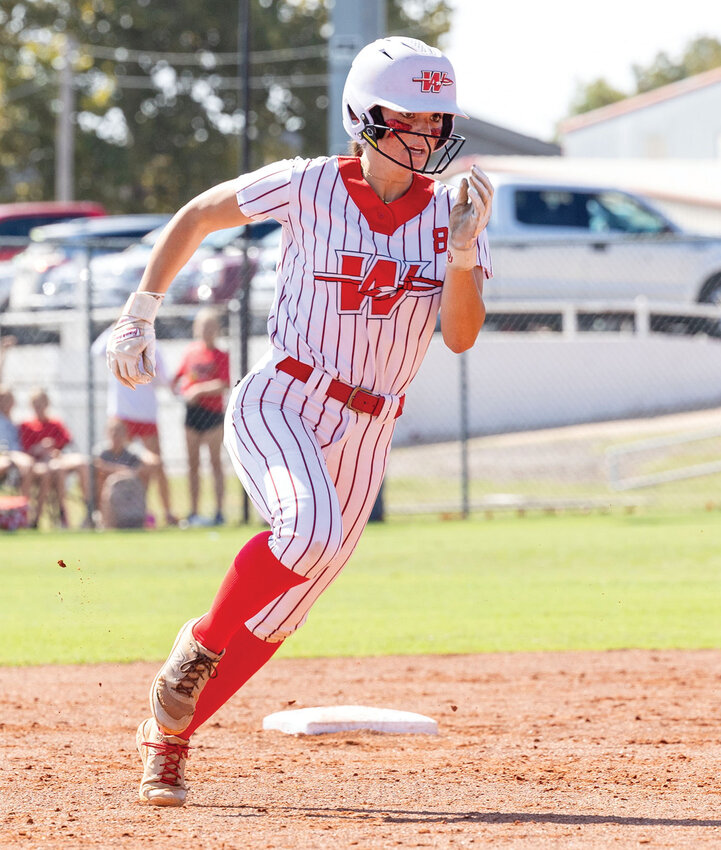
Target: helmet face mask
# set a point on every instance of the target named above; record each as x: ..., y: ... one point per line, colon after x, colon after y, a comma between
x: 441, y: 149
x: 404, y: 75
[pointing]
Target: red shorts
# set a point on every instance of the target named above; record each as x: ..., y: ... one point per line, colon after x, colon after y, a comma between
x: 140, y: 429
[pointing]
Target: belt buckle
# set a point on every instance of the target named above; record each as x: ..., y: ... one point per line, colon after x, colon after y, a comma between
x: 351, y: 397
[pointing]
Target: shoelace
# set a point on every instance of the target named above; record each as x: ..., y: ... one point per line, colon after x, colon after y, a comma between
x: 172, y: 755
x: 194, y: 670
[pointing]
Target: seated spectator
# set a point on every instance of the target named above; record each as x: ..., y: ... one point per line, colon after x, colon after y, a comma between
x: 18, y: 468
x: 45, y: 439
x: 6, y: 343
x: 122, y: 505
x: 117, y: 456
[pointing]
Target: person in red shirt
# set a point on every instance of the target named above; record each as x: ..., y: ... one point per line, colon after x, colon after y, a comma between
x: 202, y: 379
x: 45, y: 439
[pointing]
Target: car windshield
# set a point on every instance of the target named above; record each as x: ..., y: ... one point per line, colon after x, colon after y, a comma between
x: 621, y: 212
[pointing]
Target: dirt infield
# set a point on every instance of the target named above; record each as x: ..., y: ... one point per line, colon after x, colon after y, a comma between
x: 614, y: 749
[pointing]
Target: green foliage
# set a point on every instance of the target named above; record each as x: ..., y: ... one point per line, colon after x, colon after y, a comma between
x: 594, y: 95
x: 159, y: 104
x: 511, y: 584
x: 701, y: 54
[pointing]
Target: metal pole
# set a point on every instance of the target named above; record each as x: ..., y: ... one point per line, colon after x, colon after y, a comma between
x: 64, y: 131
x: 92, y: 495
x: 465, y: 477
x: 355, y: 24
x: 234, y: 340
x: 244, y: 82
x: 244, y: 168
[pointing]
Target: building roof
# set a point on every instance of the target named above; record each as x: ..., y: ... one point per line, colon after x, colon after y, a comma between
x: 641, y: 101
x: 482, y: 137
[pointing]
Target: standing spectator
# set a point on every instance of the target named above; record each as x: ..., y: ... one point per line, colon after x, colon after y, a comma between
x: 45, y: 439
x: 138, y: 410
x: 203, y: 377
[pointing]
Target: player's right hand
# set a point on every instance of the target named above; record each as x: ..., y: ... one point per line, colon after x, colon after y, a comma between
x: 131, y: 345
x: 131, y: 351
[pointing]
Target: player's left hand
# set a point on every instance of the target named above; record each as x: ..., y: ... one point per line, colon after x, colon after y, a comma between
x: 471, y: 211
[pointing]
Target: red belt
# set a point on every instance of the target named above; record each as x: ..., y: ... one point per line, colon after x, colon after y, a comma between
x: 355, y: 398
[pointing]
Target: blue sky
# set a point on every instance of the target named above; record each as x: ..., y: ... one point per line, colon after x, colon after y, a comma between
x: 518, y: 61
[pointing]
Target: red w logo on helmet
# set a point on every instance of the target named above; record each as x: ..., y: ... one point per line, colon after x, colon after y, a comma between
x: 432, y: 81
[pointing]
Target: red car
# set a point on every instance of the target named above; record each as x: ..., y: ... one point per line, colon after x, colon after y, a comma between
x: 17, y: 220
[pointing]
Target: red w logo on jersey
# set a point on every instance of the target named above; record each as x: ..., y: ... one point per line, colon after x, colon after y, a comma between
x: 376, y: 282
x: 432, y: 81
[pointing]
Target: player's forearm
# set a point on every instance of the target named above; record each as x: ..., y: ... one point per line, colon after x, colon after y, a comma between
x: 176, y: 246
x: 462, y: 308
x: 213, y: 210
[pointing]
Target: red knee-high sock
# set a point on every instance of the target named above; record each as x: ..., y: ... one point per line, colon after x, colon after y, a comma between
x: 244, y: 656
x: 255, y: 579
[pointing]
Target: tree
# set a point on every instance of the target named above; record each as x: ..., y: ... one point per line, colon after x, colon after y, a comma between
x: 594, y: 95
x: 159, y: 107
x: 701, y: 54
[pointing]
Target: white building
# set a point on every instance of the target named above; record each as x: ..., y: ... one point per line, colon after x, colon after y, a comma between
x: 680, y: 120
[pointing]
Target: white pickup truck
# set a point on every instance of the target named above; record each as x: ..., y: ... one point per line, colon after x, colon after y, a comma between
x: 566, y: 242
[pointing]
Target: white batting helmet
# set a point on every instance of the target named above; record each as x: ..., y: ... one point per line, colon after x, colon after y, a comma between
x: 406, y: 75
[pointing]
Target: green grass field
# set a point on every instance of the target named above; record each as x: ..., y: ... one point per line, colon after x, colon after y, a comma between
x: 507, y: 584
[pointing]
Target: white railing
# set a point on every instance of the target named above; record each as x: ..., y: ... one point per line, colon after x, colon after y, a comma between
x: 615, y: 456
x: 638, y: 312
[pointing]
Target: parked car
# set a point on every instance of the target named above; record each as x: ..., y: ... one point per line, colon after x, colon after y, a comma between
x: 266, y: 252
x: 561, y: 241
x: 17, y: 220
x: 7, y: 273
x: 48, y: 272
x: 213, y: 275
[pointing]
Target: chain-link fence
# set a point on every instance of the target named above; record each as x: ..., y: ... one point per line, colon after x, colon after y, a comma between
x: 569, y: 403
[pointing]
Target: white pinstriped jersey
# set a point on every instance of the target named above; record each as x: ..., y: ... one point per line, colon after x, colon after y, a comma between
x: 357, y: 297
x: 359, y: 281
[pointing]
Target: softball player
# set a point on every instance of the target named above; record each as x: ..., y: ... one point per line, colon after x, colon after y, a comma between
x: 372, y: 248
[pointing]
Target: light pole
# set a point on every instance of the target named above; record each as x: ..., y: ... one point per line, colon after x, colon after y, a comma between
x: 64, y: 130
x: 355, y: 23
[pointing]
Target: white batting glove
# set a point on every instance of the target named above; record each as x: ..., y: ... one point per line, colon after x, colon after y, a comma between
x: 131, y: 346
x: 469, y: 215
